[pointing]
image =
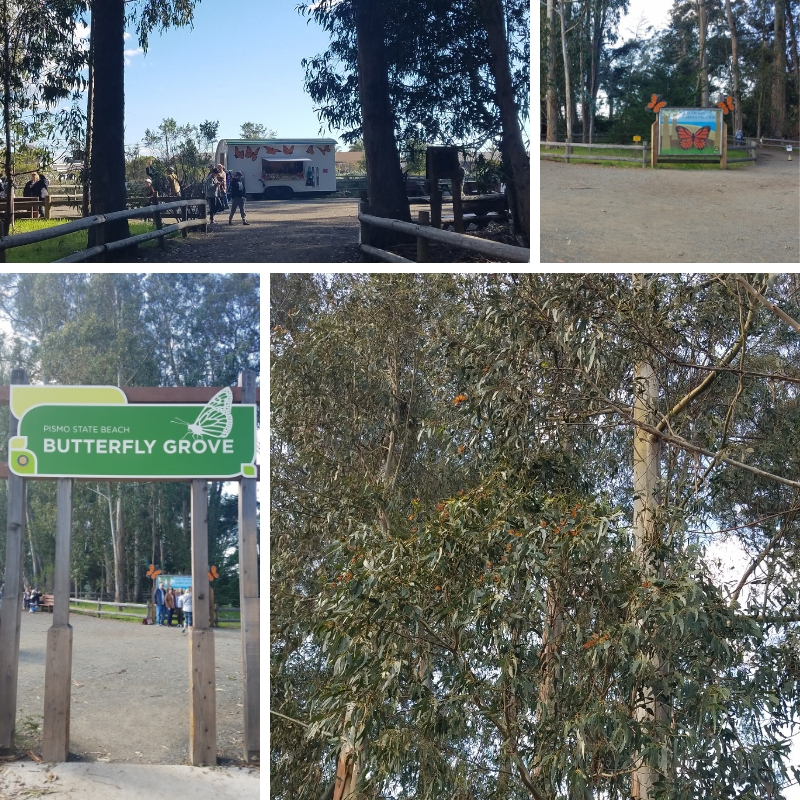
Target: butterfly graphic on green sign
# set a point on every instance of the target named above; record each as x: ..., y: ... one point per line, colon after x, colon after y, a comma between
x: 92, y: 432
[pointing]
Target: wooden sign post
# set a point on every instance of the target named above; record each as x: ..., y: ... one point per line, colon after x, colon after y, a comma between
x: 11, y: 612
x: 654, y: 141
x: 442, y: 162
x: 723, y: 158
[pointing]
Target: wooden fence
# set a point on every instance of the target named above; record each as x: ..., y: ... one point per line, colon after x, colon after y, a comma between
x: 80, y: 606
x: 570, y: 147
x: 424, y: 233
x: 99, y: 251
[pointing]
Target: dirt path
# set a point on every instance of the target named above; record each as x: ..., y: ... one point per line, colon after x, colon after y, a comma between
x: 596, y: 214
x: 280, y: 231
x: 132, y: 704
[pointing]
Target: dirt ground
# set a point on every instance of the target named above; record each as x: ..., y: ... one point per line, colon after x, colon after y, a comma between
x: 597, y: 214
x: 130, y: 691
x: 322, y: 231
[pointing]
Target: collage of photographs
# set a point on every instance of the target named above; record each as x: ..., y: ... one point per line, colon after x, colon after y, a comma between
x: 532, y: 533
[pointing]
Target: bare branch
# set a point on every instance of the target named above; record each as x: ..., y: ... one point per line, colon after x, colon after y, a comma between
x: 791, y: 322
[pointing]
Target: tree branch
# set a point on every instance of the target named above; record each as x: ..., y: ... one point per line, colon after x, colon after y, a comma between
x: 791, y: 322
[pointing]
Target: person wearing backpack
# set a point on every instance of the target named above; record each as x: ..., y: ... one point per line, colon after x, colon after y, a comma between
x: 212, y: 188
x: 238, y: 198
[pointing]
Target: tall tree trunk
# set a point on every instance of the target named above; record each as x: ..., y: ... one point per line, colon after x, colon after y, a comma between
x: 9, y: 213
x: 552, y: 103
x: 778, y: 111
x: 108, y: 162
x: 702, y: 22
x: 598, y: 31
x: 793, y: 32
x: 87, y: 152
x: 385, y: 184
x: 737, y: 114
x: 119, y: 550
x: 646, y: 474
x: 153, y: 526
x: 567, y: 87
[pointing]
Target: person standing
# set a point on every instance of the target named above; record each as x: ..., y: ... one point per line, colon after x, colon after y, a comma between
x: 187, y: 608
x: 152, y: 194
x: 169, y: 602
x: 223, y: 187
x: 159, y: 598
x: 173, y: 184
x: 37, y: 187
x: 179, y: 606
x: 212, y: 191
x: 238, y: 198
x: 26, y: 599
x: 35, y: 597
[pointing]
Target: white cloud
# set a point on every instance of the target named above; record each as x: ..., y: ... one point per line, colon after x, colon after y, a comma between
x: 130, y: 53
x: 127, y: 36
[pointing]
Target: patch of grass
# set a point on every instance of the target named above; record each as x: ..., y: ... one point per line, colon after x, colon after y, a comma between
x: 53, y: 249
x: 610, y: 151
x: 28, y: 732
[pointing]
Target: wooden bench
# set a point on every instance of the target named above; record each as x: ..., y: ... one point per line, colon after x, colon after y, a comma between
x: 46, y: 602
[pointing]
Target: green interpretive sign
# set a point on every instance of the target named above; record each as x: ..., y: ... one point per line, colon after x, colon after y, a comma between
x: 105, y: 439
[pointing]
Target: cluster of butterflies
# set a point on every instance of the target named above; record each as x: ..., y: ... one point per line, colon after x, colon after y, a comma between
x: 287, y: 151
x: 690, y: 140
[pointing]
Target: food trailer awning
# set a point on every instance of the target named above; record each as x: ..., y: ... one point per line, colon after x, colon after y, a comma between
x: 284, y: 158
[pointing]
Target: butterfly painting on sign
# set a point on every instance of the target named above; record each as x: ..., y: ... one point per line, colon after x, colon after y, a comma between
x: 215, y: 418
x: 690, y: 132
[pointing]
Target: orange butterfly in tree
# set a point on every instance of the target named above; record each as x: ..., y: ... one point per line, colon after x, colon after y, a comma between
x: 656, y: 103
x: 212, y: 573
x: 238, y: 153
x: 310, y: 150
x: 287, y: 151
x: 689, y: 140
x: 325, y: 149
x: 726, y: 105
x: 153, y: 572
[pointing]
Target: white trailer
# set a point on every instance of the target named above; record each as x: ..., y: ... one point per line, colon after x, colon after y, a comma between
x: 279, y: 169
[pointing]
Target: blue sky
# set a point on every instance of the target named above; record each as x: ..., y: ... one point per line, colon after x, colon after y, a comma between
x: 239, y: 63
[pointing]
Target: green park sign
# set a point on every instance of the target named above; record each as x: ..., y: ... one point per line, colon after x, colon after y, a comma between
x: 92, y: 432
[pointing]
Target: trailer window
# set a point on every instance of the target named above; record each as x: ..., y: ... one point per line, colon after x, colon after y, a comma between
x: 282, y: 170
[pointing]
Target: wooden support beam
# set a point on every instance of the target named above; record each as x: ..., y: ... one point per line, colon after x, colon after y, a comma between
x: 11, y: 611
x: 58, y: 665
x: 202, y: 679
x: 249, y: 600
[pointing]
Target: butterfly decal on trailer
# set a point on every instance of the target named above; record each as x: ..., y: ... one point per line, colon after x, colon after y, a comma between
x: 251, y: 154
x: 656, y: 103
x: 214, y: 420
x: 238, y: 153
x: 287, y: 151
x: 726, y: 105
x: 325, y: 149
x: 310, y: 150
x: 272, y: 150
x: 688, y: 140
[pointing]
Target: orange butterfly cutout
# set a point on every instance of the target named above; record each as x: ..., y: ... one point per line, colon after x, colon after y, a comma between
x: 310, y: 150
x: 272, y: 150
x: 252, y: 154
x: 325, y: 149
x: 726, y: 105
x: 689, y: 140
x: 287, y: 151
x: 153, y: 572
x: 212, y: 573
x: 656, y: 103
x: 238, y: 153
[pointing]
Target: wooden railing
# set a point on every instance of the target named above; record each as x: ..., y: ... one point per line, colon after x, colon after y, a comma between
x: 569, y: 147
x: 79, y: 607
x: 424, y: 233
x: 99, y: 251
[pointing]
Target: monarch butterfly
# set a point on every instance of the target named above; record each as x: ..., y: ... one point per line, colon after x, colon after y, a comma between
x: 153, y: 572
x: 726, y: 105
x: 238, y: 153
x: 310, y: 150
x: 212, y: 573
x: 656, y: 103
x: 325, y: 149
x: 697, y: 139
x: 272, y: 150
x: 287, y: 151
x: 214, y: 419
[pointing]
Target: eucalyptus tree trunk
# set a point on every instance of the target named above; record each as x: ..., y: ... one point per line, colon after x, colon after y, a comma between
x: 793, y: 32
x: 737, y: 114
x: 119, y: 551
x: 493, y: 16
x: 778, y: 111
x: 552, y: 103
x: 385, y: 184
x: 87, y: 153
x: 9, y: 215
x: 567, y: 87
x: 702, y: 23
x: 650, y: 710
x: 598, y: 28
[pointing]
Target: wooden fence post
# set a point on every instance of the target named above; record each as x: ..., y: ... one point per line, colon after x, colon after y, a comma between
x: 204, y: 216
x: 723, y: 160
x: 185, y: 218
x: 162, y: 244
x: 654, y: 143
x: 458, y: 209
x: 249, y: 600
x: 58, y: 665
x: 11, y: 611
x: 363, y: 208
x: 423, y: 218
x: 47, y: 206
x: 202, y: 680
x: 100, y: 238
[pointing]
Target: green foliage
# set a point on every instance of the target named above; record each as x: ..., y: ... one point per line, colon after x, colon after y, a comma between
x: 254, y: 130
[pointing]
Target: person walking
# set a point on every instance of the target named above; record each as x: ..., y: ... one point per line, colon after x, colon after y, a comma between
x: 169, y: 602
x: 238, y: 198
x: 212, y: 192
x: 223, y: 187
x: 187, y: 608
x: 179, y: 606
x: 173, y: 184
x: 159, y: 598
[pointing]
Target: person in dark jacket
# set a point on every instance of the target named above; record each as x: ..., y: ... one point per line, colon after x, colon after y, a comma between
x: 37, y: 187
x: 159, y: 598
x: 238, y: 198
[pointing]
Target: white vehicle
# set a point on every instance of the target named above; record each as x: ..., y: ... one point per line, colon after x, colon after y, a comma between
x: 279, y: 169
